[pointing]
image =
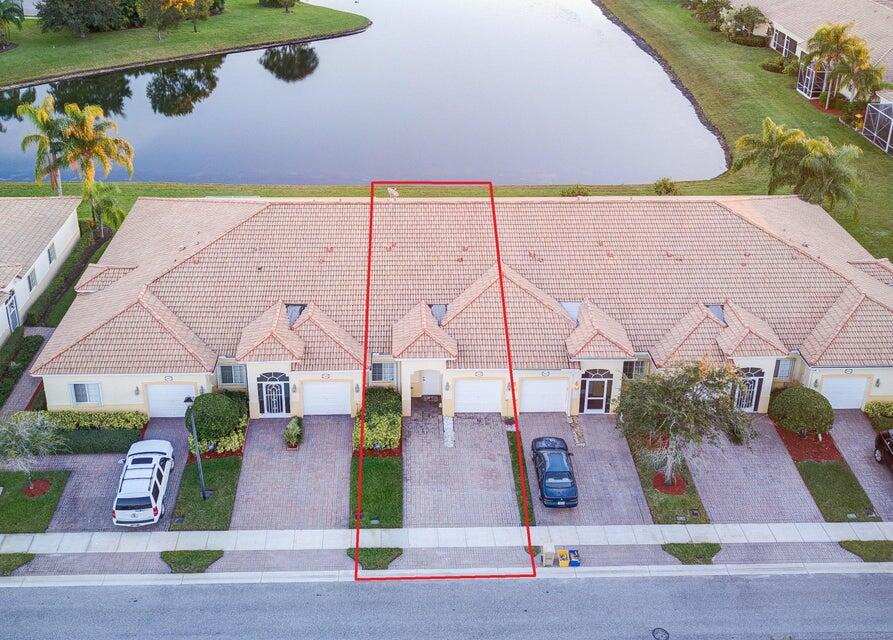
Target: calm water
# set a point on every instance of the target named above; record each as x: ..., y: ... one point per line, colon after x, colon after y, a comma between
x: 515, y: 91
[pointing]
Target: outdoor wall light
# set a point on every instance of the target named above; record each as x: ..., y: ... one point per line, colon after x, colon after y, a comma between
x: 201, y: 390
x: 815, y: 383
x: 877, y: 383
x: 136, y: 390
x: 294, y: 388
x: 356, y: 388
x: 446, y: 387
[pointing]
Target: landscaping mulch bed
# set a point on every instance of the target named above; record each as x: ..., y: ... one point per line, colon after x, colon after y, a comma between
x: 37, y: 488
x: 675, y: 489
x: 818, y: 104
x: 214, y: 455
x: 381, y: 453
x: 803, y: 448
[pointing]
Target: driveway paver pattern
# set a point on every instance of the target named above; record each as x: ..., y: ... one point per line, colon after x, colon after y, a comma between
x: 854, y: 437
x: 468, y: 485
x: 783, y: 553
x: 757, y: 482
x: 303, y: 489
x: 608, y: 485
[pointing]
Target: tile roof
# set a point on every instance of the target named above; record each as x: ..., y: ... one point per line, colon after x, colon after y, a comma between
x: 747, y: 335
x: 417, y: 335
x: 27, y: 226
x: 646, y: 263
x: 97, y: 277
x: 598, y: 335
x: 692, y: 338
x: 269, y: 337
x: 881, y: 270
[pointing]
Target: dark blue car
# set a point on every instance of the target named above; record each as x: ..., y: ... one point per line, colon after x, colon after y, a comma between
x: 554, y: 472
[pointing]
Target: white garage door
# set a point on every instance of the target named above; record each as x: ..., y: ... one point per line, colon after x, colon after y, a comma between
x: 166, y: 400
x: 539, y: 396
x: 326, y: 398
x: 478, y: 396
x: 844, y: 393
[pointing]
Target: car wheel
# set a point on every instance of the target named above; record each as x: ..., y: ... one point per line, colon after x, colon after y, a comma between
x: 878, y: 456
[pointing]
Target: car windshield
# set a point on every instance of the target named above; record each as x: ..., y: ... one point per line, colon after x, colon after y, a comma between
x: 132, y: 504
x: 558, y: 480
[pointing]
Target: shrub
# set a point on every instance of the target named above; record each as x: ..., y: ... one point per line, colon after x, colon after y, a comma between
x: 880, y: 414
x: 748, y: 39
x: 294, y: 432
x: 71, y: 420
x: 775, y: 64
x: 229, y: 443
x: 665, y: 187
x: 802, y: 410
x: 239, y: 396
x: 79, y: 16
x: 11, y: 347
x: 574, y: 191
x: 216, y: 416
x: 384, y: 420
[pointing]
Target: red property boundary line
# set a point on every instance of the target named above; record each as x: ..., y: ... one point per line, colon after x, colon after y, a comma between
x: 518, y: 444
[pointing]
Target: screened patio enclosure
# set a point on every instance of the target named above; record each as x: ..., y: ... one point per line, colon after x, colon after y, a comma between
x: 811, y: 80
x: 878, y: 127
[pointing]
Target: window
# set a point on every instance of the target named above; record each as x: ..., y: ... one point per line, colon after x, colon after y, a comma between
x: 783, y: 368
x: 572, y: 308
x: 12, y: 311
x: 85, y: 393
x: 32, y: 280
x: 718, y: 311
x: 158, y: 475
x: 155, y: 492
x: 294, y: 312
x: 232, y: 374
x: 439, y: 312
x: 633, y: 368
x: 384, y: 372
x: 51, y: 252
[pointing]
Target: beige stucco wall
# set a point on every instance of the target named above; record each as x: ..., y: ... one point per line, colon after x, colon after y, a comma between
x: 768, y: 367
x: 119, y: 392
x: 880, y: 379
x: 296, y: 380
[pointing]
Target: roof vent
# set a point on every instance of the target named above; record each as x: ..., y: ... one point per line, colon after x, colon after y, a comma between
x: 719, y: 311
x: 572, y: 308
x: 294, y: 312
x: 439, y: 312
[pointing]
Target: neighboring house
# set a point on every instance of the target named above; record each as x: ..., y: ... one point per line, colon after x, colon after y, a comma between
x: 268, y: 297
x: 793, y: 22
x: 36, y: 235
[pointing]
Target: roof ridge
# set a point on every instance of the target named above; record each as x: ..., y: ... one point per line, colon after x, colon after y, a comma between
x: 164, y: 325
x: 310, y: 315
x: 842, y: 323
x: 489, y: 276
x: 705, y: 315
x: 598, y: 329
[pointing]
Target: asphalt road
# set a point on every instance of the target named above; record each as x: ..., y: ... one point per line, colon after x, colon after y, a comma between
x: 850, y: 607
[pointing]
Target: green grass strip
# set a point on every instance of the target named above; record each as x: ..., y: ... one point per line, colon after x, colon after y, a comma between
x: 693, y: 553
x: 377, y: 558
x: 21, y: 514
x: 9, y: 562
x: 836, y: 491
x: 518, y: 466
x: 213, y: 514
x: 382, y: 492
x: 190, y: 561
x: 870, y: 550
x: 666, y: 508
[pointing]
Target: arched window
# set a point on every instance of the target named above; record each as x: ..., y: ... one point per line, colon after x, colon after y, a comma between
x: 595, y: 391
x: 272, y: 377
x: 598, y: 374
x: 747, y: 396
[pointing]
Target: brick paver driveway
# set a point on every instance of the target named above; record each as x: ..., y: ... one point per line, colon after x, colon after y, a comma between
x: 303, y: 489
x: 854, y: 436
x: 751, y: 483
x: 470, y: 484
x: 86, y: 503
x: 609, y: 488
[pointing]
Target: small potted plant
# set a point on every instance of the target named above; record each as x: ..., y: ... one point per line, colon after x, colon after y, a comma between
x: 294, y: 433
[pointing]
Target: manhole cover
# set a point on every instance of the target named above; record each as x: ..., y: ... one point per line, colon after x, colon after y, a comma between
x: 660, y: 634
x: 374, y: 521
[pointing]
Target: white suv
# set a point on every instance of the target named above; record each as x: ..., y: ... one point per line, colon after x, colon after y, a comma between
x: 140, y: 499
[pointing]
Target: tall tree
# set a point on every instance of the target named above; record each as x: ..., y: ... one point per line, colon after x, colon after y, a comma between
x: 690, y: 403
x: 48, y: 140
x: 176, y: 88
x: 104, y: 207
x: 199, y: 10
x: 831, y: 44
x: 88, y: 141
x: 857, y: 71
x: 775, y: 148
x: 107, y: 90
x: 710, y: 11
x: 163, y: 15
x: 79, y: 16
x: 25, y: 437
x: 828, y: 174
x: 11, y: 15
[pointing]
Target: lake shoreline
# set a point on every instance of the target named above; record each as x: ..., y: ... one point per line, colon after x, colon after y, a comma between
x: 671, y: 74
x: 192, y: 56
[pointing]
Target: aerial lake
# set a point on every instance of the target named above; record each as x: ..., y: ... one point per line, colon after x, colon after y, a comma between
x: 514, y: 91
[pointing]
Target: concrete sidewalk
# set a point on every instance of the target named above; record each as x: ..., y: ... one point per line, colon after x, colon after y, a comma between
x: 428, y: 538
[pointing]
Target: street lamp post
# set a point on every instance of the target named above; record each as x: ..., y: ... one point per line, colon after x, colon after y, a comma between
x: 198, y: 458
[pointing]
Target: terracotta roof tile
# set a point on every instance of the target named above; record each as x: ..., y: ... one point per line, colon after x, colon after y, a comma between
x: 598, y: 335
x: 97, y: 277
x: 747, y: 335
x: 417, y: 335
x: 269, y: 337
x: 692, y: 338
x: 327, y: 345
x: 880, y: 270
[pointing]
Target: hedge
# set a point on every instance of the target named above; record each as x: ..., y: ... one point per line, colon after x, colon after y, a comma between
x: 749, y: 40
x: 384, y: 420
x: 71, y: 420
x: 802, y: 410
x: 15, y: 356
x: 776, y: 64
x: 229, y: 443
x: 217, y: 415
x: 67, y: 275
x: 880, y: 414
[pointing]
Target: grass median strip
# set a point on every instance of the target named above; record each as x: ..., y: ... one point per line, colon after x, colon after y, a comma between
x: 871, y: 550
x: 665, y: 508
x: 692, y: 552
x: 836, y: 491
x: 382, y: 492
x: 9, y: 562
x: 378, y: 558
x: 190, y: 561
x: 516, y: 472
x: 213, y: 514
x: 22, y: 514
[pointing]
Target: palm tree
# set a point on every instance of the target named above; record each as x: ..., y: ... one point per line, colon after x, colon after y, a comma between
x: 11, y: 13
x: 777, y: 148
x: 87, y: 141
x: 827, y: 173
x: 830, y: 45
x: 48, y: 140
x: 104, y: 207
x: 857, y: 71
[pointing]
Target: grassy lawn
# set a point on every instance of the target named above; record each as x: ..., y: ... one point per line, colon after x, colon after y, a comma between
x: 244, y: 23
x: 382, y: 492
x: 379, y: 558
x: 99, y: 440
x: 516, y: 472
x: 836, y: 491
x: 870, y: 551
x: 693, y: 553
x: 9, y: 562
x: 736, y: 94
x: 21, y: 514
x: 213, y: 514
x: 664, y: 507
x: 190, y: 561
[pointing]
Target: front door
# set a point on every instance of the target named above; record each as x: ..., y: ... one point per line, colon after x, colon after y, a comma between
x: 274, y: 398
x: 12, y: 312
x: 595, y: 391
x: 273, y: 394
x: 748, y: 396
x: 431, y: 383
